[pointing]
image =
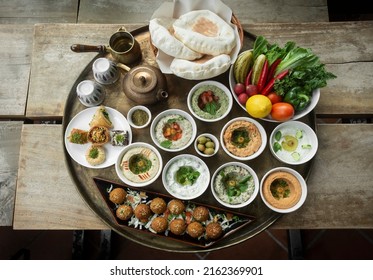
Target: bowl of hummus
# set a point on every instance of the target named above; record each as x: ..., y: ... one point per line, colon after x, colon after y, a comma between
x: 293, y: 142
x: 173, y: 130
x: 210, y: 101
x: 234, y: 184
x: 186, y: 176
x: 139, y: 164
x: 283, y: 189
x: 243, y: 138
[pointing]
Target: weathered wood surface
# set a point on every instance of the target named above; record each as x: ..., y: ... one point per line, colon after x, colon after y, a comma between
x: 10, y: 139
x: 55, y: 68
x: 46, y: 197
x: 15, y: 59
x: 249, y: 11
x: 339, y: 188
x: 36, y: 11
x: 344, y: 47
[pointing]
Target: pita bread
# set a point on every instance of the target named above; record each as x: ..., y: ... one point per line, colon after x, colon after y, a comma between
x: 101, y: 118
x: 205, y: 32
x: 161, y: 32
x: 205, y: 68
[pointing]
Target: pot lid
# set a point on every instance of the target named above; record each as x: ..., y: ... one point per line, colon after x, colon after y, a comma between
x: 142, y: 79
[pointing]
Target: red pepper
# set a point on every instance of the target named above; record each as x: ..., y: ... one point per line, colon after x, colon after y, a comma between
x: 272, y: 68
x: 269, y: 87
x: 248, y: 77
x: 263, y: 76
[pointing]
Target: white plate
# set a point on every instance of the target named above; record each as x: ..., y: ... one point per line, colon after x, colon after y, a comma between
x: 81, y: 121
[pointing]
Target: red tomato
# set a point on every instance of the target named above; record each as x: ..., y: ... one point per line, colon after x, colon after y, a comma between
x: 274, y: 97
x: 282, y: 111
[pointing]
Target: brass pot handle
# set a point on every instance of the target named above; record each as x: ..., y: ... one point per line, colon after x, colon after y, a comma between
x: 87, y: 48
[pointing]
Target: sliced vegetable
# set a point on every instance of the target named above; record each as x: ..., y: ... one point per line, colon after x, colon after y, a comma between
x: 263, y: 76
x: 257, y: 68
x: 272, y: 68
x: 269, y: 86
x: 248, y: 77
x: 306, y: 146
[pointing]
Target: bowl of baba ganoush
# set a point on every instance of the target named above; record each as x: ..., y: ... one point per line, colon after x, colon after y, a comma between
x: 173, y: 130
x: 234, y: 184
x: 209, y: 101
x: 283, y: 189
x: 139, y: 164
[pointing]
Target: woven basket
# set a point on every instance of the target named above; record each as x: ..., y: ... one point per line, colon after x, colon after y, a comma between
x: 234, y: 20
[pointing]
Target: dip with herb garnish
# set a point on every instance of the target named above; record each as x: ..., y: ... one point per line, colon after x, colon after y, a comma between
x: 173, y: 131
x: 140, y: 164
x: 209, y: 102
x: 242, y: 138
x: 282, y: 190
x: 234, y: 184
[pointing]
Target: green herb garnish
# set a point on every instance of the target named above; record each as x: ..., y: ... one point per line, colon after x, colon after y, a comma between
x: 93, y: 153
x: 166, y: 144
x: 240, y: 137
x: 186, y: 175
x: 139, y: 164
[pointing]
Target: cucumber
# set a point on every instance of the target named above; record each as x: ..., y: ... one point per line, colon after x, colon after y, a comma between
x: 257, y: 68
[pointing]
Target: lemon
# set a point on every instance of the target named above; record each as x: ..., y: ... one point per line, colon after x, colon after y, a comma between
x: 258, y: 106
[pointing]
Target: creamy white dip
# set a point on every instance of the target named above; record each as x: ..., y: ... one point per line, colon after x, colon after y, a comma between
x: 185, y: 126
x: 222, y: 191
x: 182, y: 191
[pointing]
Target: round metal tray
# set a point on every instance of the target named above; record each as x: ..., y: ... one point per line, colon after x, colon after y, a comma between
x: 178, y: 89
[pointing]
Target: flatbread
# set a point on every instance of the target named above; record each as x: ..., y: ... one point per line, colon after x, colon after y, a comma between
x: 205, y: 32
x: 204, y: 68
x: 161, y: 32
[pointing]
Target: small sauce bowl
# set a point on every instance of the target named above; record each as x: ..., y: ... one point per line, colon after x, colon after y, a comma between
x: 139, y: 116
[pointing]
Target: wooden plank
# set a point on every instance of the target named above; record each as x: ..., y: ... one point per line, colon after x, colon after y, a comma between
x: 35, y: 11
x: 55, y: 68
x: 15, y: 59
x: 46, y: 196
x: 350, y: 59
x: 10, y: 140
x: 340, y: 186
x: 134, y: 11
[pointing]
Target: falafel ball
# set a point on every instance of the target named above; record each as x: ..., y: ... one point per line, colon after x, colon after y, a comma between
x: 117, y: 195
x: 176, y: 206
x: 143, y: 212
x: 158, y: 205
x: 213, y: 230
x: 195, y: 229
x: 159, y: 224
x: 124, y: 212
x: 178, y: 226
x: 200, y: 213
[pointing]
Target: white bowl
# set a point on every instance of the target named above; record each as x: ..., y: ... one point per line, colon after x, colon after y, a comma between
x: 314, y: 100
x: 187, y: 136
x: 139, y: 107
x: 261, y: 131
x: 137, y: 148
x: 185, y: 192
x: 307, y: 142
x: 237, y: 166
x: 265, y: 193
x: 213, y: 139
x: 218, y: 89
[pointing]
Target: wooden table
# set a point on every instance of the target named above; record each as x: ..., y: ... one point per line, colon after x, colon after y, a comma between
x: 17, y: 19
x: 340, y: 184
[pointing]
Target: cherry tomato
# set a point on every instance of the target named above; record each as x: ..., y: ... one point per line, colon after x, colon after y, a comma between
x: 274, y: 97
x: 282, y: 111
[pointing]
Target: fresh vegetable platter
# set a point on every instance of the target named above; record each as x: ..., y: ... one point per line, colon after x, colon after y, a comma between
x: 277, y: 83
